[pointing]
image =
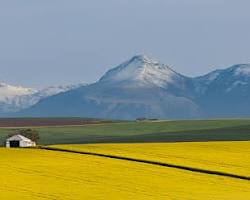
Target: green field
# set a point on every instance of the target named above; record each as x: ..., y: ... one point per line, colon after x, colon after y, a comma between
x: 158, y: 131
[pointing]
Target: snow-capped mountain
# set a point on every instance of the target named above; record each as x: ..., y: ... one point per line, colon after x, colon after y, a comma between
x: 15, y: 98
x: 8, y: 92
x: 27, y: 101
x: 202, y: 82
x: 228, y: 95
x: 143, y: 71
x: 142, y: 87
x: 234, y: 78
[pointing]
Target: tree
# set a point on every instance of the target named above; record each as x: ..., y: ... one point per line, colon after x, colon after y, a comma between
x: 29, y: 133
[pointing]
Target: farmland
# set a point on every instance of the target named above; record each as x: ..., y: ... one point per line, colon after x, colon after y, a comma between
x: 206, y: 145
x: 128, y: 132
x: 228, y: 157
x: 39, y: 174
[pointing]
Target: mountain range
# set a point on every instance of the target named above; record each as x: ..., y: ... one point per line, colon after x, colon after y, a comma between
x: 17, y: 98
x: 139, y: 88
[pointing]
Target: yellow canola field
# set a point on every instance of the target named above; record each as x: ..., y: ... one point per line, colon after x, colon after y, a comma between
x: 229, y: 157
x: 33, y: 174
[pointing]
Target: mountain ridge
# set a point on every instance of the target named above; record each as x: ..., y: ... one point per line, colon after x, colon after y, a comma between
x: 15, y: 98
x: 142, y: 87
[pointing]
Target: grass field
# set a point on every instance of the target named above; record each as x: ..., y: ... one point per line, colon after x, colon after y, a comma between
x: 228, y: 157
x: 52, y: 121
x: 158, y: 131
x: 39, y: 174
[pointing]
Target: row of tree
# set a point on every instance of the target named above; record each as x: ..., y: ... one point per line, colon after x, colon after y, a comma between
x: 28, y: 133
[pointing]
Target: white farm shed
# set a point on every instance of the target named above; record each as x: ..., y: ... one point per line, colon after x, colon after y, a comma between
x: 19, y: 141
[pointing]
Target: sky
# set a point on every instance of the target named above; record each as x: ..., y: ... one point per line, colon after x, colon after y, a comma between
x: 54, y: 42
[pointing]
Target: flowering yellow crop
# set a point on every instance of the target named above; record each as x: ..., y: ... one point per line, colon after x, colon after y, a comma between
x: 229, y: 157
x: 33, y: 174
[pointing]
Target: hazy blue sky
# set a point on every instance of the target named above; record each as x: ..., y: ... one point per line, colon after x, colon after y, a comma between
x: 47, y: 42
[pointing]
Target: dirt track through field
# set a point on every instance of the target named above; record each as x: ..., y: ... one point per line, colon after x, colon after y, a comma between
x: 169, y: 165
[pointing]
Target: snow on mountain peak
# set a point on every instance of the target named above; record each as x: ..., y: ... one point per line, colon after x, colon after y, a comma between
x: 243, y: 69
x: 143, y: 59
x: 53, y: 90
x: 14, y: 98
x: 8, y: 92
x: 143, y: 70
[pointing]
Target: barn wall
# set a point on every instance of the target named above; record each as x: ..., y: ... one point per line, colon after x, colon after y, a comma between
x: 22, y: 143
x: 7, y: 144
x: 26, y: 144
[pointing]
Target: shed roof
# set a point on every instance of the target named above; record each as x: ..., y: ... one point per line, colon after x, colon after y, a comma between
x: 19, y: 138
